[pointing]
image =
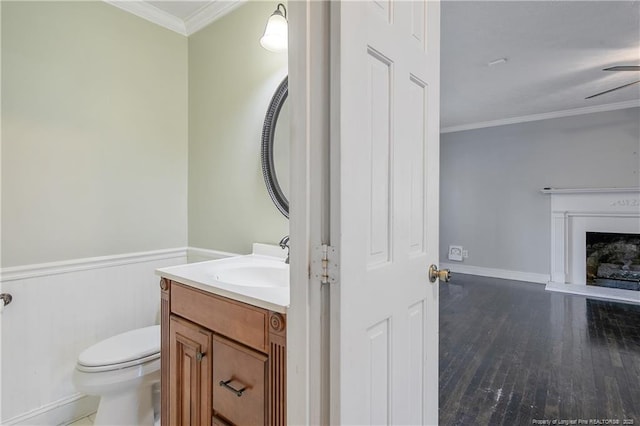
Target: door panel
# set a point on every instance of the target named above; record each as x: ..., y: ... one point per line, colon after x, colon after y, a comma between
x: 415, y: 359
x: 378, y: 360
x: 378, y: 149
x: 417, y: 137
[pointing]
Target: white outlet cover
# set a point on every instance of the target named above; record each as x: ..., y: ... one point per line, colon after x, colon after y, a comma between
x: 455, y: 253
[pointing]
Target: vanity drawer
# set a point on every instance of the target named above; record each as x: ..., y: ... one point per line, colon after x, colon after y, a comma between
x: 238, y: 321
x: 239, y: 378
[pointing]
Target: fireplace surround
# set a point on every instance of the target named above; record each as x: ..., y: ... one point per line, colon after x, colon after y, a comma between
x: 574, y: 212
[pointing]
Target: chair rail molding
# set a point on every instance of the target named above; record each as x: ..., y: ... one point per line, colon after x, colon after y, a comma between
x: 14, y: 273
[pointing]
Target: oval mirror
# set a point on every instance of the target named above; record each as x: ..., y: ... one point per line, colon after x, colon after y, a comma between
x: 274, y: 153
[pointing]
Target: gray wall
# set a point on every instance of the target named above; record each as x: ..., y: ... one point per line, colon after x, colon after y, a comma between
x: 231, y: 82
x: 490, y: 200
x: 94, y: 133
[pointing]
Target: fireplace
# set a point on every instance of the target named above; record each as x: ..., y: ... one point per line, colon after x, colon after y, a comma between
x: 606, y: 220
x: 613, y: 260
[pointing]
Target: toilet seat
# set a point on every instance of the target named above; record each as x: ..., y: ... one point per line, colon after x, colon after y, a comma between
x: 124, y: 350
x: 111, y: 367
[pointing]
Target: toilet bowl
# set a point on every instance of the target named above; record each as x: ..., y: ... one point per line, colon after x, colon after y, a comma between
x: 122, y: 370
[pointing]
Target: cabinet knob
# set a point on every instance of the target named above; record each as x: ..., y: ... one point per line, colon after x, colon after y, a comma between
x: 199, y: 356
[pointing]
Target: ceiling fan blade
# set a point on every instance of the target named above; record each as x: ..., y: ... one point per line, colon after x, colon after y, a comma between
x: 614, y: 89
x: 623, y: 68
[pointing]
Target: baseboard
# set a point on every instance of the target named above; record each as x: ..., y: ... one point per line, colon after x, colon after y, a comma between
x: 58, y: 412
x: 496, y: 273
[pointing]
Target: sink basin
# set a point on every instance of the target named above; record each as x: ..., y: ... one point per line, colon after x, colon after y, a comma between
x: 260, y: 279
x: 251, y: 272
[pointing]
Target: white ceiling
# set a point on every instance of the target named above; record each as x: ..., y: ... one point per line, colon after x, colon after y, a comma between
x: 554, y: 50
x: 555, y: 53
x: 180, y: 9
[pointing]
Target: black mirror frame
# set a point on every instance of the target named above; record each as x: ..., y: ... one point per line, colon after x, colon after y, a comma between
x: 266, y: 152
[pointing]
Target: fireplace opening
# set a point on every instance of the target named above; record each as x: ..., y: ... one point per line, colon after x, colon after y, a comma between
x: 613, y: 260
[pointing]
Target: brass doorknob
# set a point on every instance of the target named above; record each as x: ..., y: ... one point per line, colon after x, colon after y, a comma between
x: 442, y: 274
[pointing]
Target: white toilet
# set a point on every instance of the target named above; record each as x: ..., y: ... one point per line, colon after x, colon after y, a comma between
x: 122, y: 370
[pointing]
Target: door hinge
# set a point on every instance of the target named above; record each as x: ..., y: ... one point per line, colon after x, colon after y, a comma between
x: 324, y: 266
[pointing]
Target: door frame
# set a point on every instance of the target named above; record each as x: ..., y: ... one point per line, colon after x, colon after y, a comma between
x: 308, y: 319
x: 0, y: 217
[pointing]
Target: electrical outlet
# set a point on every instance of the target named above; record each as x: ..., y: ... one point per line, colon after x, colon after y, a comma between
x: 465, y: 254
x: 455, y: 253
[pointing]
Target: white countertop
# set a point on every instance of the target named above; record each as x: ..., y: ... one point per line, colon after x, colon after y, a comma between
x: 199, y: 275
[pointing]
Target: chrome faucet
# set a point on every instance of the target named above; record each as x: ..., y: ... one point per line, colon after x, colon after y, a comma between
x: 284, y: 243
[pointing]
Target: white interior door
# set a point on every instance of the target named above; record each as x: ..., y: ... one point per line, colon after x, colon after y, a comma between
x: 384, y: 194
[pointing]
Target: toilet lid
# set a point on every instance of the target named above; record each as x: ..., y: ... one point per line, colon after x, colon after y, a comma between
x: 123, y: 348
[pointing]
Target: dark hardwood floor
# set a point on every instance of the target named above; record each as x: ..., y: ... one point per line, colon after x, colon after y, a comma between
x: 512, y: 353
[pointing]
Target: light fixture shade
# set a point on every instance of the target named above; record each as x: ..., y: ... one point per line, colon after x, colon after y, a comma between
x: 275, y: 36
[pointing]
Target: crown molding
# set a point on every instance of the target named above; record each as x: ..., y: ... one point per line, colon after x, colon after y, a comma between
x: 209, y: 13
x: 543, y: 116
x: 151, y: 13
x: 198, y: 20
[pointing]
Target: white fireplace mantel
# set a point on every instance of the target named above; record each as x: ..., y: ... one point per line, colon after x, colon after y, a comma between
x: 574, y: 212
x: 589, y: 190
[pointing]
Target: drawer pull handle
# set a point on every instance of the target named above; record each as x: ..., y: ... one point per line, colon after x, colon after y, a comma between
x: 226, y: 385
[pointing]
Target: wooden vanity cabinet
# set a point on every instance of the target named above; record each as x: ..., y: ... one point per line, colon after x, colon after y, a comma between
x: 223, y: 361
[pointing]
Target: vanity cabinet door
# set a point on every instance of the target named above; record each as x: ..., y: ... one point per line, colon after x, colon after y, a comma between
x: 239, y: 378
x: 189, y: 373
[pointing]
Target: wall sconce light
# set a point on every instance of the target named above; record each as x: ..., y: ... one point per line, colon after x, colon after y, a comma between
x: 275, y: 36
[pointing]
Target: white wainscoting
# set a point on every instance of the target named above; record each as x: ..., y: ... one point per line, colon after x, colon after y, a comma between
x: 58, y: 310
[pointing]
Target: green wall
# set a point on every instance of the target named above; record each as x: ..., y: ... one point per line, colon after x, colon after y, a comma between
x: 231, y: 81
x: 94, y: 133
x: 120, y: 136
